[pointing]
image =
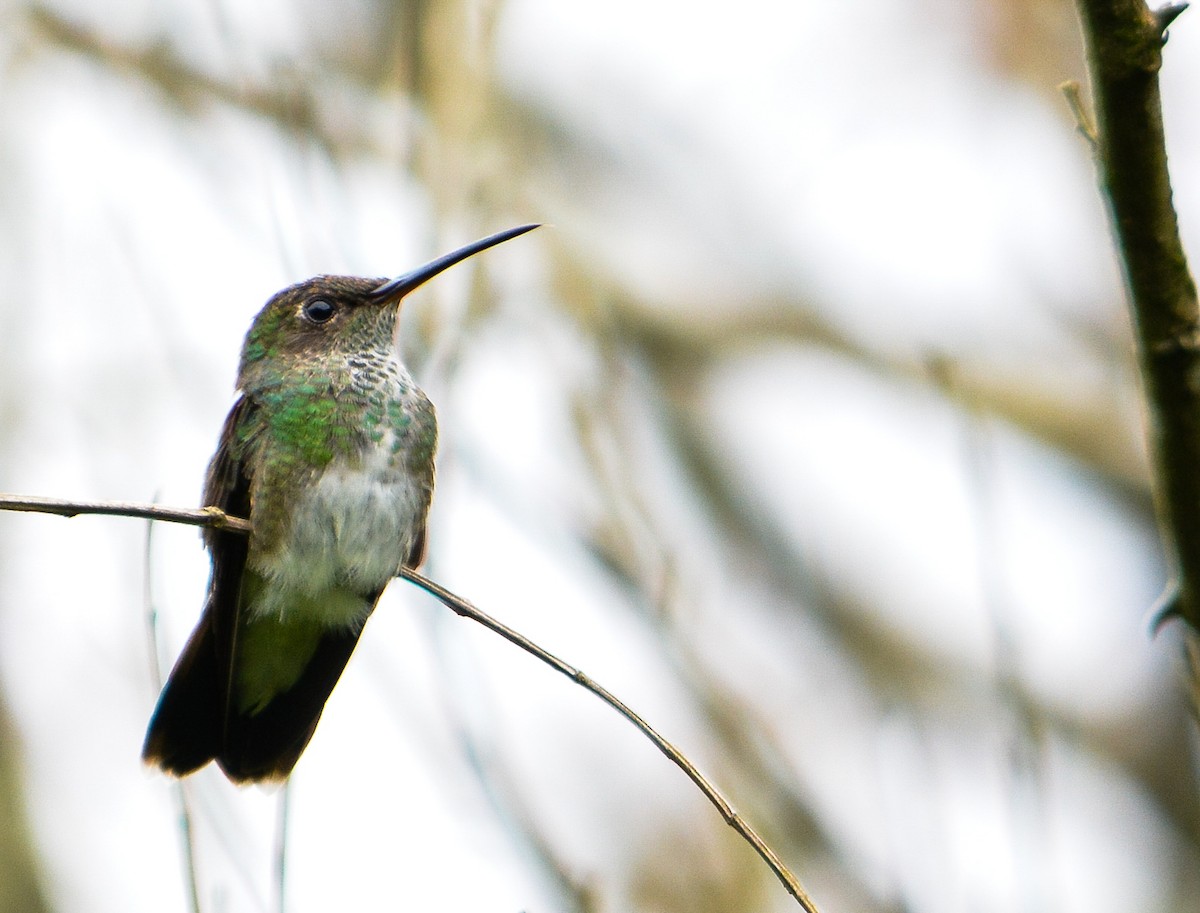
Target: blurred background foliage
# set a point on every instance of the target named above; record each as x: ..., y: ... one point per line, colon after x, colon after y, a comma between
x: 809, y: 425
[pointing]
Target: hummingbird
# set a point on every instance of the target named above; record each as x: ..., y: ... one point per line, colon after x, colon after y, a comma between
x: 329, y: 453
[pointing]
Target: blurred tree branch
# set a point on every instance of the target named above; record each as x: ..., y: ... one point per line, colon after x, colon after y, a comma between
x: 21, y: 886
x: 215, y: 518
x: 682, y: 351
x: 1125, y: 40
x: 291, y: 104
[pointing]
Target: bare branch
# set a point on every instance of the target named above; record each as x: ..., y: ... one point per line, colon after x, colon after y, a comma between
x: 207, y: 517
x: 732, y: 818
x: 1125, y: 40
x: 214, y: 518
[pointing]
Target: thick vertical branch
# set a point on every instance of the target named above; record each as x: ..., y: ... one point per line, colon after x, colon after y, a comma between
x: 1125, y: 41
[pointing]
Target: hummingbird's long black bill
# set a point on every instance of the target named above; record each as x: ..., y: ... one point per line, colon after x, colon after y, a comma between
x: 402, y: 285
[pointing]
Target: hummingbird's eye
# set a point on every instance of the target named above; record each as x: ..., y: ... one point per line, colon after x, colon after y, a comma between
x: 319, y: 310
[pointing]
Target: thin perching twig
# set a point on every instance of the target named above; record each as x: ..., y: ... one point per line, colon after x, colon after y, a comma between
x: 461, y: 607
x: 215, y: 518
x: 208, y: 517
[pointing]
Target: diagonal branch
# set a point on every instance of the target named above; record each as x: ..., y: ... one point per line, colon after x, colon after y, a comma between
x: 1125, y: 40
x: 214, y: 518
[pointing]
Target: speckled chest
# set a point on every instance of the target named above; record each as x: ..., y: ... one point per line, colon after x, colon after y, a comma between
x: 362, y: 506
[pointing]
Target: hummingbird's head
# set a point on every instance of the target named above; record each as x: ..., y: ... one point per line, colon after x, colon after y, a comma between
x: 338, y: 315
x: 321, y: 317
